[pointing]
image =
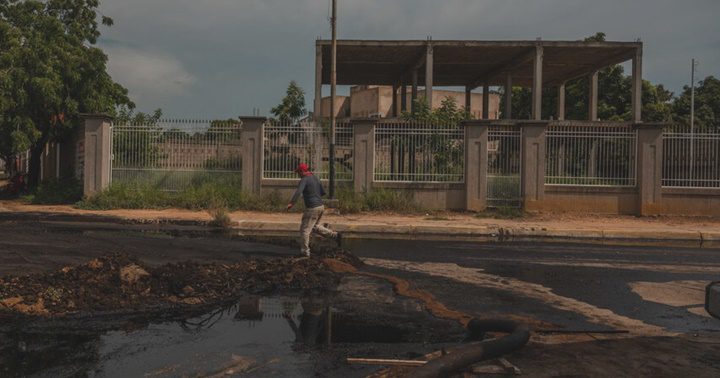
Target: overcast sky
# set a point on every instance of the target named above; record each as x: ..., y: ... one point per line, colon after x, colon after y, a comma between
x: 222, y: 58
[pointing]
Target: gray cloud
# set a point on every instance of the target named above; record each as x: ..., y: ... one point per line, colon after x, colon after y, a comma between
x: 223, y: 58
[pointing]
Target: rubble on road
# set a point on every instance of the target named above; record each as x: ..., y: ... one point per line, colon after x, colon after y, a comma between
x: 123, y: 283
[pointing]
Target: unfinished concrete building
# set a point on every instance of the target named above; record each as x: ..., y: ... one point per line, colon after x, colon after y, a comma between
x: 407, y: 65
x: 376, y: 101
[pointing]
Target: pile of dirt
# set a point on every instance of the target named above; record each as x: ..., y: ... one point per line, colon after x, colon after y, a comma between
x: 121, y: 282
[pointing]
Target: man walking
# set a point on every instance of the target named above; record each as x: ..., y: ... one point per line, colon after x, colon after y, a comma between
x: 312, y: 192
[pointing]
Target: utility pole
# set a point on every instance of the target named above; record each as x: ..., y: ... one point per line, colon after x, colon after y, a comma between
x: 333, y: 83
x: 692, y: 120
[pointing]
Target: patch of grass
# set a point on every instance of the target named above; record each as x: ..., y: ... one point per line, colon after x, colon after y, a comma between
x: 437, y: 218
x: 502, y: 212
x: 56, y: 192
x: 205, y: 196
x: 376, y: 200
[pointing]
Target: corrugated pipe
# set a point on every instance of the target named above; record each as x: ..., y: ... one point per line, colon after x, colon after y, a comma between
x: 469, y: 354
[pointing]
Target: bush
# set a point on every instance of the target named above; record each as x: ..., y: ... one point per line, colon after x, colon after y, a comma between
x: 56, y: 192
x: 502, y: 212
x: 208, y: 195
x: 376, y: 200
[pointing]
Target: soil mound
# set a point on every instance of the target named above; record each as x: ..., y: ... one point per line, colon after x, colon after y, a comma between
x: 121, y: 282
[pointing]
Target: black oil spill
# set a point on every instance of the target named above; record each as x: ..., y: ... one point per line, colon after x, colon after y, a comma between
x: 257, y: 335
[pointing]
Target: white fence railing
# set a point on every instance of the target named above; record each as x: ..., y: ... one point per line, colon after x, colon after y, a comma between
x: 287, y: 144
x: 172, y: 155
x: 504, y: 164
x: 691, y: 160
x: 419, y: 152
x: 589, y: 155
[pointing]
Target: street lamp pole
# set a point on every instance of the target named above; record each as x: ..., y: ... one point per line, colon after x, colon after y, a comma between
x: 692, y: 120
x: 333, y: 84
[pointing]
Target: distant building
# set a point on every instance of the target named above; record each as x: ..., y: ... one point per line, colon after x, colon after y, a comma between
x: 376, y: 101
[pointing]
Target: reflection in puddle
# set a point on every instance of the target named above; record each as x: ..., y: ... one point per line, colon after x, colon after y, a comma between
x: 257, y: 335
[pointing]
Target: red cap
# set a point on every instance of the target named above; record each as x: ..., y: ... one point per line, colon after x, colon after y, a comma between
x: 302, y: 168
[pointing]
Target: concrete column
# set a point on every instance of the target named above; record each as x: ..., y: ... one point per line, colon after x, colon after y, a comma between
x: 486, y: 102
x: 468, y: 99
x: 636, y: 99
x: 363, y: 154
x: 394, y: 106
x: 476, y: 162
x: 508, y: 97
x: 429, y: 75
x: 317, y: 108
x: 252, y: 137
x: 414, y: 93
x: 403, y: 97
x: 561, y: 102
x: 649, y: 167
x: 537, y: 84
x: 97, y: 172
x: 593, y: 97
x: 532, y: 174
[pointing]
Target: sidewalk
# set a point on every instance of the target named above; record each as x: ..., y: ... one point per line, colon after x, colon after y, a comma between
x: 693, y: 231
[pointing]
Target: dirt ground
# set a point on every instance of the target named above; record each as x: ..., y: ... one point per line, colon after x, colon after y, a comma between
x: 539, y: 221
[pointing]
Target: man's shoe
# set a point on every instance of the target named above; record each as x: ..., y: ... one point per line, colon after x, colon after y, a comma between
x: 338, y: 240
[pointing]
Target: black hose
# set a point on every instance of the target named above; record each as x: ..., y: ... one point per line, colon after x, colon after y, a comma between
x: 466, y: 355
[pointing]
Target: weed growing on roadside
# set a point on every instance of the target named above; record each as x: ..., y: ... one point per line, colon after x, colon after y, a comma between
x: 376, y: 200
x: 501, y: 212
x: 206, y: 196
x: 56, y: 192
x: 220, y: 214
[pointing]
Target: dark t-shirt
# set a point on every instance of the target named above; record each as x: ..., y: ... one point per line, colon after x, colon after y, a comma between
x: 311, y: 190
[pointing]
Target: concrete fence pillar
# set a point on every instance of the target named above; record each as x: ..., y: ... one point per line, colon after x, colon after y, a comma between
x: 252, y: 137
x: 532, y: 169
x: 476, y: 162
x: 98, y: 153
x: 649, y: 167
x: 363, y: 154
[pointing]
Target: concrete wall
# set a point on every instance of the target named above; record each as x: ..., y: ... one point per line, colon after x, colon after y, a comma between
x: 645, y: 198
x: 376, y: 101
x: 476, y: 106
x: 370, y: 101
x: 342, y: 107
x: 432, y: 196
x: 686, y: 201
x: 600, y: 200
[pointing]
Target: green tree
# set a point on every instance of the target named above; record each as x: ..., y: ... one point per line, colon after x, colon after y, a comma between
x: 127, y: 116
x: 292, y: 106
x: 449, y: 113
x: 51, y: 72
x: 707, y: 105
x: 136, y: 144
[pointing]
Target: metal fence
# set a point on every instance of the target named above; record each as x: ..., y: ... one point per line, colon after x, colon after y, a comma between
x: 504, y: 164
x: 419, y: 152
x: 691, y: 160
x: 175, y: 154
x: 286, y: 144
x: 591, y: 155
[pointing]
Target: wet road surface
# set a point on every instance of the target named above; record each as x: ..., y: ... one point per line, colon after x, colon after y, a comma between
x: 573, y: 286
x: 654, y: 292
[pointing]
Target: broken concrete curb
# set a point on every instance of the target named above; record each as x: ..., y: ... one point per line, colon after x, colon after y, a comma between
x: 499, y: 233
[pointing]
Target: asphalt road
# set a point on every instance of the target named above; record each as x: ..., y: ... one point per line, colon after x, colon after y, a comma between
x: 655, y: 293
x: 570, y: 286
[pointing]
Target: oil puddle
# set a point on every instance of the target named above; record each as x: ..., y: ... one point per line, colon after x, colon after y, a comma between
x: 256, y: 335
